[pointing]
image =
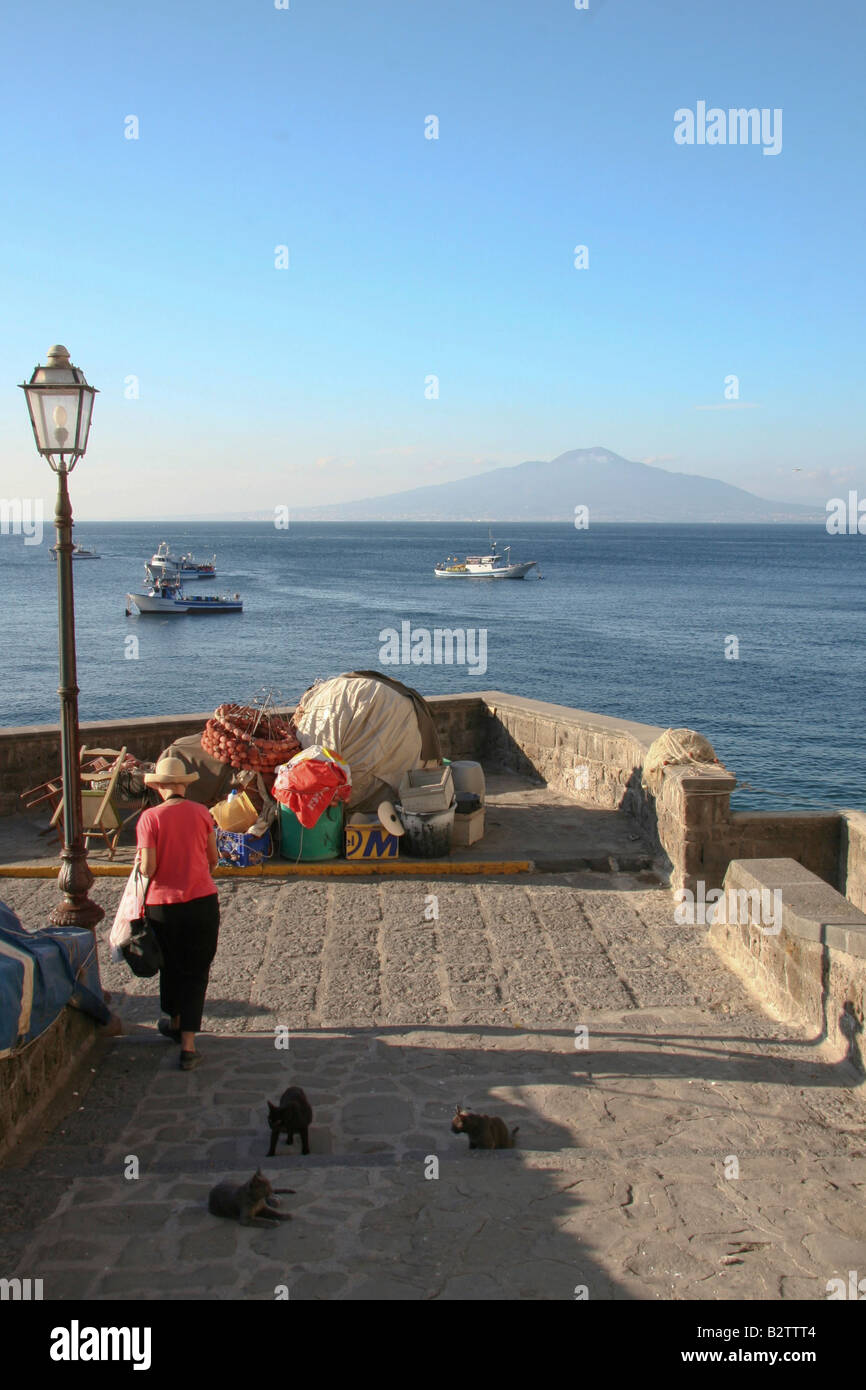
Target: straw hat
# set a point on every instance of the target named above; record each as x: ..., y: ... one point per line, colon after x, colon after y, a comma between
x: 168, y: 771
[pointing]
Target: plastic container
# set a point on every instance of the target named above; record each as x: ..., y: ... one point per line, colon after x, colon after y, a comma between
x: 242, y: 851
x: 323, y: 841
x: 237, y: 812
x: 469, y: 777
x: 425, y: 789
x: 428, y: 833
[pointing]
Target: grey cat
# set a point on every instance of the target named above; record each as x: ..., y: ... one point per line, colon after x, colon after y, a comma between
x: 251, y: 1203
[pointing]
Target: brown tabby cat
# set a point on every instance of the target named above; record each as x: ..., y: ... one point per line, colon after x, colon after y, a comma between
x: 251, y: 1203
x: 294, y: 1114
x: 484, y: 1131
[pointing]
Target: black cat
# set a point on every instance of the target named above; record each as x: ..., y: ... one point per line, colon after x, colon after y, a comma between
x: 251, y: 1203
x: 293, y: 1115
x: 484, y: 1131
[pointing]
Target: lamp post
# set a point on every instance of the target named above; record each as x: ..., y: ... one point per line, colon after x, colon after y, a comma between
x: 60, y: 404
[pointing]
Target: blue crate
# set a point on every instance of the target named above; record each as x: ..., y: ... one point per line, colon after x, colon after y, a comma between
x: 243, y: 851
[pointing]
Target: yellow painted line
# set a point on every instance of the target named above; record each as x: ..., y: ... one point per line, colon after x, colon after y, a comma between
x: 387, y: 867
x: 330, y: 868
x: 30, y: 870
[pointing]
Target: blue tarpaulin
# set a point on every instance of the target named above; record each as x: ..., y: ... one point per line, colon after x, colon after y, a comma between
x: 40, y: 973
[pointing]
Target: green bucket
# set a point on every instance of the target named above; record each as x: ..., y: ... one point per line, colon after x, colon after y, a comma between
x: 323, y: 841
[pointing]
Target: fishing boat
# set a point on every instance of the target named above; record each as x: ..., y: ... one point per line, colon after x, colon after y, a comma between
x: 79, y: 552
x: 165, y: 595
x: 490, y: 566
x: 163, y: 562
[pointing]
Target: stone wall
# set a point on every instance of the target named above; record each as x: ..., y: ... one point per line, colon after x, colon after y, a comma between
x: 813, y: 968
x: 30, y: 1077
x: 30, y: 755
x: 461, y: 723
x: 852, y: 857
x: 713, y: 835
x: 693, y: 810
x: 595, y: 758
x: 813, y: 839
x: 599, y: 760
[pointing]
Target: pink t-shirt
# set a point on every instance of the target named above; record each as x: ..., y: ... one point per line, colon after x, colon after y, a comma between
x: 178, y: 831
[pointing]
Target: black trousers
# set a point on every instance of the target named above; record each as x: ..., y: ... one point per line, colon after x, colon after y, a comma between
x: 187, y: 933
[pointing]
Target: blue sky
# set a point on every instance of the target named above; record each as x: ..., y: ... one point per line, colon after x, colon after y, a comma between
x: 408, y: 257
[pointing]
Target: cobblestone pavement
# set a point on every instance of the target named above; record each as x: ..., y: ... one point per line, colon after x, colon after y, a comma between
x: 693, y: 1149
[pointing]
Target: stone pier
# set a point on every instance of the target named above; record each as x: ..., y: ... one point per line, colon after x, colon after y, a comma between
x: 675, y: 1142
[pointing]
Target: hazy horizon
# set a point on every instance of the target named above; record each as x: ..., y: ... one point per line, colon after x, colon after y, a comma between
x: 475, y: 513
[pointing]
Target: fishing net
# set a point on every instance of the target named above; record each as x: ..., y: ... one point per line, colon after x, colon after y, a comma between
x: 675, y: 748
x: 245, y: 736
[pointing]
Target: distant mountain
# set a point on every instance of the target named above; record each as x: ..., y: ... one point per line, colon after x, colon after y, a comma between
x: 613, y: 488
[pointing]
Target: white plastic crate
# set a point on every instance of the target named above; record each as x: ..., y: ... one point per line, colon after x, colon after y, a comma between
x: 427, y: 789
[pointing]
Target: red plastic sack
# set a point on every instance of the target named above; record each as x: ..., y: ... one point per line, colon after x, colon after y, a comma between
x: 311, y: 782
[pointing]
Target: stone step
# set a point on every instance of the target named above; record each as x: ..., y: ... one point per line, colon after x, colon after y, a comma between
x: 564, y: 1157
x: 643, y: 865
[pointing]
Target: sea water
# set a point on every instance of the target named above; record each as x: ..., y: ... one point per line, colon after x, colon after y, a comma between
x: 753, y: 635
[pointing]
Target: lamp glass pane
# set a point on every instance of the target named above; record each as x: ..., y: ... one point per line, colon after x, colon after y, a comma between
x: 56, y: 416
x: 85, y: 412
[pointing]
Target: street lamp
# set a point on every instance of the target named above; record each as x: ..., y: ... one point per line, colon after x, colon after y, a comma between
x: 60, y: 404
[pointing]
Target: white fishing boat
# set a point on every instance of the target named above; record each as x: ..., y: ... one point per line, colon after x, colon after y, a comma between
x: 163, y: 562
x: 79, y: 552
x: 165, y: 595
x: 490, y: 566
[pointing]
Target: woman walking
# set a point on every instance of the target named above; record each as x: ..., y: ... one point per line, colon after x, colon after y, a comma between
x: 177, y: 850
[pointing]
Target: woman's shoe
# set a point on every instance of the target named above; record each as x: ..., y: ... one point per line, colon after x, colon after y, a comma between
x: 167, y: 1031
x: 189, y: 1060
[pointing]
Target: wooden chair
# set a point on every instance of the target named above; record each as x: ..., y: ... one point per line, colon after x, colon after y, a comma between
x: 52, y: 792
x: 100, y: 816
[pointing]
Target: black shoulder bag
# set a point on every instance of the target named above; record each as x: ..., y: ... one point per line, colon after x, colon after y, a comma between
x: 142, y: 952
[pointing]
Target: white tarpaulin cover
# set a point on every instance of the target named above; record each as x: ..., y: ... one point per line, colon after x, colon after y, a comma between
x: 371, y: 726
